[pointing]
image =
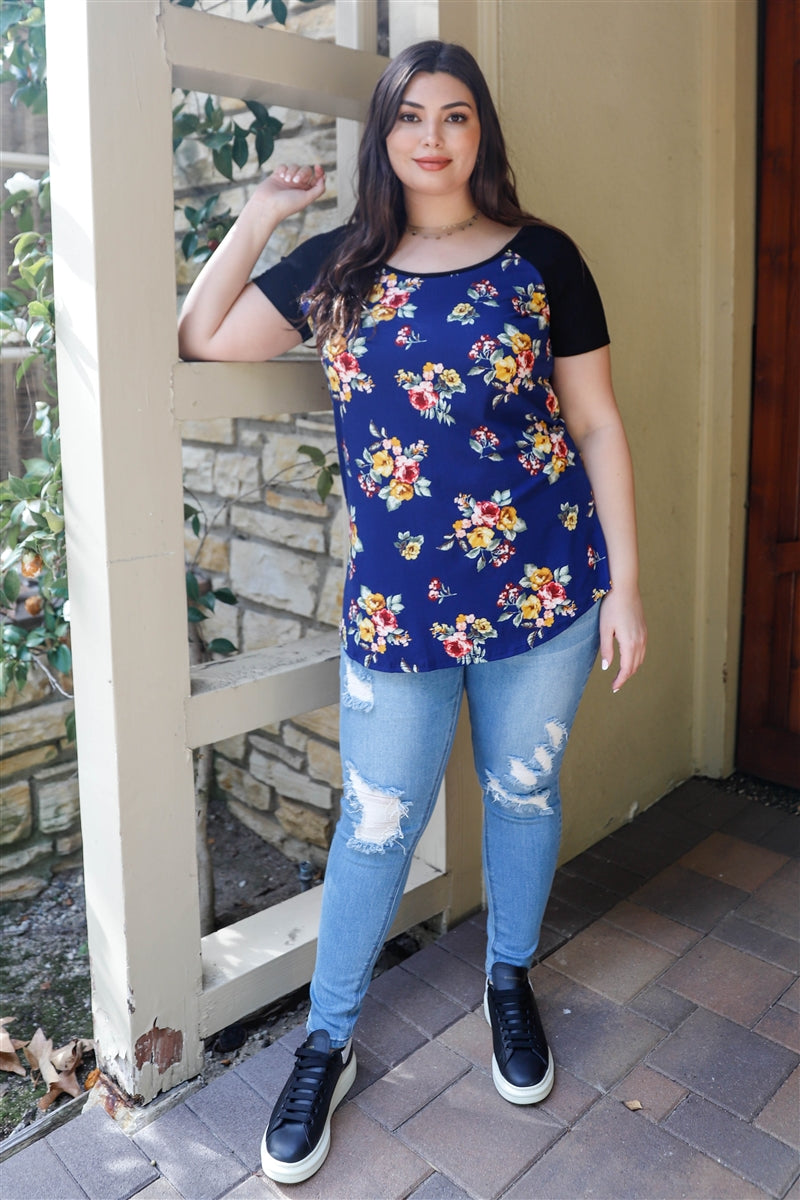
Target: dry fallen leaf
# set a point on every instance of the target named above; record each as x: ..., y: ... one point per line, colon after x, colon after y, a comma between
x: 633, y: 1105
x: 39, y: 1048
x: 8, y: 1049
x: 91, y: 1079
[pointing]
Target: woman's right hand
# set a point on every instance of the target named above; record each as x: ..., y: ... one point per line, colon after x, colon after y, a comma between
x: 289, y: 189
x: 226, y: 318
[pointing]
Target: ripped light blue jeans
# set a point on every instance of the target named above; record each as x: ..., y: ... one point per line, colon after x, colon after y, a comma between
x: 396, y: 735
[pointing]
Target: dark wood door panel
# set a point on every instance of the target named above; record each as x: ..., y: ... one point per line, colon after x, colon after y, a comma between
x: 768, y: 741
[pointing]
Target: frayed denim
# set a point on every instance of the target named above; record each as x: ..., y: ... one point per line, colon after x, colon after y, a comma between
x: 396, y: 734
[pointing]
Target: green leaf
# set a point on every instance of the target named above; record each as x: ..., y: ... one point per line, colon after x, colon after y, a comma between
x: 240, y: 148
x: 260, y: 113
x: 11, y: 585
x: 55, y: 522
x: 13, y: 635
x: 189, y: 244
x: 314, y: 453
x: 324, y: 483
x: 221, y: 646
x: 39, y: 468
x: 61, y: 658
x: 265, y: 144
x: 196, y: 525
x: 223, y: 161
x: 69, y: 725
x: 279, y: 11
x: 225, y: 595
x: 209, y: 601
x: 196, y: 615
x: 192, y: 586
x: 10, y: 14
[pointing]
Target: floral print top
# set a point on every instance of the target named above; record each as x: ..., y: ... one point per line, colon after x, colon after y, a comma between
x: 473, y: 534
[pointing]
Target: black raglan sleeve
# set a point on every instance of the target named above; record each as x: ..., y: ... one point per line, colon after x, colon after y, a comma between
x: 577, y: 319
x: 285, y: 283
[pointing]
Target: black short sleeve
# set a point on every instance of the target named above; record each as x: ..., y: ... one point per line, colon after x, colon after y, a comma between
x: 577, y: 320
x: 286, y: 282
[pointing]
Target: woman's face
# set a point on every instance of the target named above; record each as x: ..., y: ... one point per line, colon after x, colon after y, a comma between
x: 434, y: 143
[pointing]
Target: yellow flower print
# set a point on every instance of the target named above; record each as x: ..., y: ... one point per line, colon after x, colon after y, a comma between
x: 530, y: 607
x: 541, y: 442
x: 382, y: 462
x: 404, y: 377
x: 335, y: 345
x: 401, y: 490
x: 410, y: 550
x: 429, y: 369
x: 374, y: 602
x: 520, y: 342
x: 505, y: 368
x: 507, y: 518
x: 366, y: 631
x: 482, y: 626
x: 481, y: 536
x: 539, y: 576
x: 450, y: 378
x: 558, y: 466
x: 437, y: 628
x: 382, y: 312
x: 462, y: 310
x: 333, y: 379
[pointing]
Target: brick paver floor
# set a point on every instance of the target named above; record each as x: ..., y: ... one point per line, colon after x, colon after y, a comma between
x: 668, y: 983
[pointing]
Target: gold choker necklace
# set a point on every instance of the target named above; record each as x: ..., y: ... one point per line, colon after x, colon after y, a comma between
x: 440, y: 231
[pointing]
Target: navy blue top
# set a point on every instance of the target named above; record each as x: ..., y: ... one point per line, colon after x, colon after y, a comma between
x: 473, y: 534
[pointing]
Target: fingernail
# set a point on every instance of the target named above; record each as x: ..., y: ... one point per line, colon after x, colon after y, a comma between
x: 614, y: 691
x: 604, y: 664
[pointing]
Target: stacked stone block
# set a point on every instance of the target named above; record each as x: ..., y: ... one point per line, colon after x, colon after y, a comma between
x: 39, y: 818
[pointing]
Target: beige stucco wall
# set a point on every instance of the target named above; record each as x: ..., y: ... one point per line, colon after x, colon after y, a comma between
x: 632, y: 125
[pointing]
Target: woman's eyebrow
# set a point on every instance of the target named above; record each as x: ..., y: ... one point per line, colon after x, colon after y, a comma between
x: 452, y: 104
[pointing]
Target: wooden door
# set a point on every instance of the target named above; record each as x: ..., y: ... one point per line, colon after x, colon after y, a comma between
x: 769, y: 699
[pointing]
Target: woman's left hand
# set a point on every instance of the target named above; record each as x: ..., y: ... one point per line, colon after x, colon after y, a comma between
x: 622, y: 619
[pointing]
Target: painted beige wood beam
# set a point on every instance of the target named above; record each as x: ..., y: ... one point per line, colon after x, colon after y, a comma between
x: 251, y: 690
x: 235, y: 58
x: 203, y: 391
x: 111, y: 162
x: 268, y: 955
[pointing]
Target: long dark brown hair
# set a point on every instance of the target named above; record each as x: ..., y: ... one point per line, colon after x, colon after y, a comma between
x: 379, y: 218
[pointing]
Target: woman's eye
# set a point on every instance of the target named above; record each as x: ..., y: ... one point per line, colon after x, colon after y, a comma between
x: 407, y: 117
x: 457, y: 118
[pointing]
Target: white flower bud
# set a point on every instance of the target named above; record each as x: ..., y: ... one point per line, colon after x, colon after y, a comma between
x: 22, y: 183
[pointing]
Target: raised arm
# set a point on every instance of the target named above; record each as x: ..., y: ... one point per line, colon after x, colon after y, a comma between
x: 224, y: 317
x: 586, y: 396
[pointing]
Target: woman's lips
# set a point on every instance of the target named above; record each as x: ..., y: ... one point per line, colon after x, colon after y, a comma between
x: 433, y: 164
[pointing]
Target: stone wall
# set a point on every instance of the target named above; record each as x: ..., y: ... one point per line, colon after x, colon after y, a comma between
x: 270, y: 539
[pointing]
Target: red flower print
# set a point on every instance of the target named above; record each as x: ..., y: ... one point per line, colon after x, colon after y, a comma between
x: 422, y: 398
x: 346, y: 365
x: 384, y: 621
x: 396, y: 299
x: 458, y: 645
x: 485, y: 512
x: 406, y: 469
x: 525, y: 361
x: 552, y: 593
x: 403, y: 335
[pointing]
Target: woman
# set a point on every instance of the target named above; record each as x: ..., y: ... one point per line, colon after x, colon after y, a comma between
x: 490, y: 493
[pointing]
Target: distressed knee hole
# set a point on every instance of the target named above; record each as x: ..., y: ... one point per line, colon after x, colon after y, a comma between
x: 536, y: 798
x: 376, y: 812
x: 526, y: 789
x: 357, y: 691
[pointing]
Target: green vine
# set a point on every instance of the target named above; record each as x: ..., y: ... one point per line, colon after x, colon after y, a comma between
x: 34, y: 596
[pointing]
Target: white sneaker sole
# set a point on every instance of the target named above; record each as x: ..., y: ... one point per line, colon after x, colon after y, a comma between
x: 520, y: 1095
x: 296, y: 1172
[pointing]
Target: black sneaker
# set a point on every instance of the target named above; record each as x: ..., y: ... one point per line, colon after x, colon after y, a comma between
x: 522, y: 1065
x: 298, y: 1136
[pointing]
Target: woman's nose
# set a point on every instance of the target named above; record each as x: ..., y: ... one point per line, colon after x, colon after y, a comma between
x: 432, y: 134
